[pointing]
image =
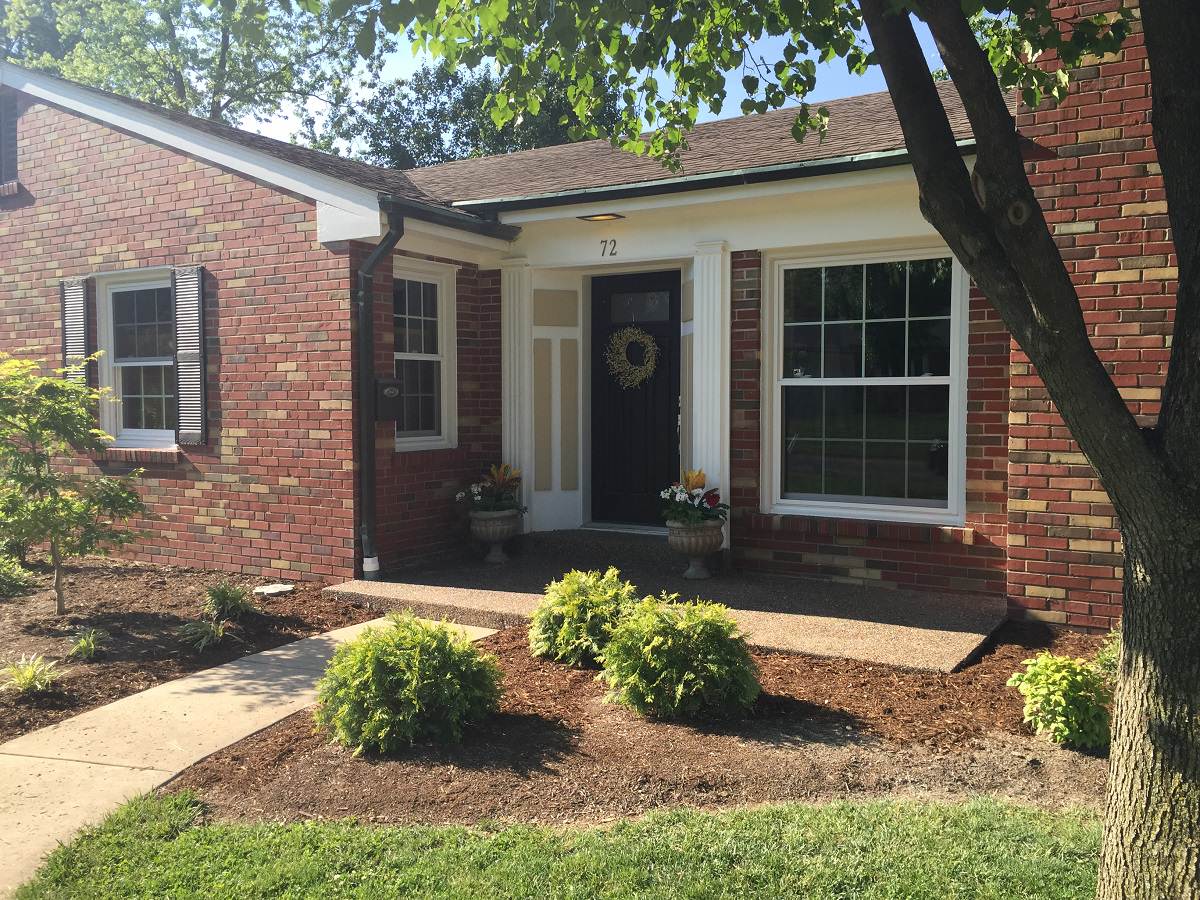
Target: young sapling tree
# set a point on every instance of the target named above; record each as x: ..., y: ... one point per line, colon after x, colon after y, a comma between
x: 45, y: 421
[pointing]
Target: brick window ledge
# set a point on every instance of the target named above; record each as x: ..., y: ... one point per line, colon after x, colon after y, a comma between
x: 158, y: 456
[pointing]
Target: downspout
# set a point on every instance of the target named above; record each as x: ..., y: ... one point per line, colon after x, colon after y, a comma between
x: 364, y: 310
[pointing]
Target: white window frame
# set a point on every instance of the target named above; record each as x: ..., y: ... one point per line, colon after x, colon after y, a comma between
x: 771, y: 476
x: 110, y: 412
x: 444, y: 276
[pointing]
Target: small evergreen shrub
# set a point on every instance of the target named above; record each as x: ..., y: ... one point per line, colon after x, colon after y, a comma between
x: 409, y: 681
x: 573, y: 622
x: 1108, y: 657
x: 30, y: 675
x: 1066, y: 698
x: 679, y: 660
x: 227, y: 601
x: 14, y: 578
x: 203, y: 633
x: 88, y: 642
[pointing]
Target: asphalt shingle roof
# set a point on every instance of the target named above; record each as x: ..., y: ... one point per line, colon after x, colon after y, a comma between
x: 866, y: 124
x: 857, y: 125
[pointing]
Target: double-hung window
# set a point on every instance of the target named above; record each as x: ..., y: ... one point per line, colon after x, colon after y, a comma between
x: 423, y: 316
x: 136, y: 318
x: 868, y: 403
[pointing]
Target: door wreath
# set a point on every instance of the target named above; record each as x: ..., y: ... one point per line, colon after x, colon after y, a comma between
x: 617, y: 356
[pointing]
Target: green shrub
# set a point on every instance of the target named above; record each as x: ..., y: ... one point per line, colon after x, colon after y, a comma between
x: 1108, y: 657
x: 679, y: 660
x: 1067, y: 699
x: 14, y: 579
x: 88, y: 642
x: 409, y: 681
x: 227, y: 601
x: 203, y: 633
x: 578, y: 613
x: 30, y: 675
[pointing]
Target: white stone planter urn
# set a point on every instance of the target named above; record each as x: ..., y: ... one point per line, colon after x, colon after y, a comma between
x: 493, y: 528
x: 696, y: 541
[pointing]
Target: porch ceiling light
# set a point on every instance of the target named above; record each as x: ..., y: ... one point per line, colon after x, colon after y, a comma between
x: 601, y: 217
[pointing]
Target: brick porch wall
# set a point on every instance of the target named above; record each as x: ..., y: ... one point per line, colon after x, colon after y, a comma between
x: 417, y: 517
x: 969, y: 559
x: 273, y: 491
x: 1103, y: 197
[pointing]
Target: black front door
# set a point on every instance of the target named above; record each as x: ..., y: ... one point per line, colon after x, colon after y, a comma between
x: 635, y: 406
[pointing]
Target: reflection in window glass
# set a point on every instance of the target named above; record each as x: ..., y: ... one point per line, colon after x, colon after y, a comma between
x: 143, y: 322
x: 884, y: 437
x: 418, y: 357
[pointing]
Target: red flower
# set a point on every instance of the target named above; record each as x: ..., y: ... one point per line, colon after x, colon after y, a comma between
x: 711, y: 498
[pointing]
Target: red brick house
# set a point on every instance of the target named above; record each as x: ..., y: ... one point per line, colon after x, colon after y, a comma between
x: 818, y: 351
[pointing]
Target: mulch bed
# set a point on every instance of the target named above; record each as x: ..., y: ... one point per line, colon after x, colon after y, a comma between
x: 141, y: 607
x: 556, y: 753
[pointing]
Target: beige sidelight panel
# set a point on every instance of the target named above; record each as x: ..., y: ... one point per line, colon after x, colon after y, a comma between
x: 685, y: 375
x: 569, y: 415
x: 555, y: 309
x: 543, y: 440
x: 685, y: 401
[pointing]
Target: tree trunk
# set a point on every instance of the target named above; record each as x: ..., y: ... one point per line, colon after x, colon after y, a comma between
x: 60, y: 591
x: 1152, y: 822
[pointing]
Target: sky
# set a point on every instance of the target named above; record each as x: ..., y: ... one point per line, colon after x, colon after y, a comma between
x: 833, y: 81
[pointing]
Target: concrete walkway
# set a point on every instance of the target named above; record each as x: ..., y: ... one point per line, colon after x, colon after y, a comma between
x: 56, y: 780
x: 930, y: 632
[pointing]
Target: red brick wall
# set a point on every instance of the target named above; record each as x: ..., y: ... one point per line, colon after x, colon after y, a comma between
x: 969, y: 559
x: 1103, y: 197
x: 273, y: 491
x: 417, y: 515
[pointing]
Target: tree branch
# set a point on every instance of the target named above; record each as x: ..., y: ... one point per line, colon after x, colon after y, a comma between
x: 175, y: 68
x: 994, y: 225
x: 219, y: 75
x: 1172, y: 32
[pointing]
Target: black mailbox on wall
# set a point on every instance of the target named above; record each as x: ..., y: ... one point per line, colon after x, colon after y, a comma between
x: 387, y: 399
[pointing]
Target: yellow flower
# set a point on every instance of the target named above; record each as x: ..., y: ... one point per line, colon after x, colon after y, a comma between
x: 694, y: 478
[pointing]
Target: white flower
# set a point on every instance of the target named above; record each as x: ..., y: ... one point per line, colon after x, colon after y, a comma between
x: 460, y: 496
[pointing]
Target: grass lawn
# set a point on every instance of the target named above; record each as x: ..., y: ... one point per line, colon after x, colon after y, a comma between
x: 155, y: 847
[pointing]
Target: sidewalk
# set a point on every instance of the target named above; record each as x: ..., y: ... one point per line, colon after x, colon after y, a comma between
x: 58, y: 779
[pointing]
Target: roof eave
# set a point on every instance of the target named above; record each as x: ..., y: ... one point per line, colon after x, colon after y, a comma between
x: 727, y: 178
x: 451, y: 218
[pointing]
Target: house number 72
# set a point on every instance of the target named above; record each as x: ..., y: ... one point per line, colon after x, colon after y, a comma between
x: 608, y: 247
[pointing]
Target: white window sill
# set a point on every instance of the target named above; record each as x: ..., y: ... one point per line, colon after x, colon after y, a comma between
x: 128, y: 454
x: 869, y: 512
x: 433, y: 442
x: 145, y: 440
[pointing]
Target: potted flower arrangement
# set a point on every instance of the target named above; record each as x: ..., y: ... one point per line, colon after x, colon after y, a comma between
x: 695, y: 520
x: 495, y: 509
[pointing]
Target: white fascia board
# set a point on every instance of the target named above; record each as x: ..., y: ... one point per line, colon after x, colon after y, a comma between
x: 801, y: 184
x: 349, y: 212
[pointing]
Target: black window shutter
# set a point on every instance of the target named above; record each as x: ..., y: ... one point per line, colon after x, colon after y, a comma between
x: 8, y: 138
x: 191, y: 426
x: 75, y: 318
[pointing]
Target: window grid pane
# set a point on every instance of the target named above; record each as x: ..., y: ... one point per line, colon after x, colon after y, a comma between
x: 875, y: 442
x: 420, y: 397
x: 414, y: 316
x: 147, y: 397
x: 143, y: 324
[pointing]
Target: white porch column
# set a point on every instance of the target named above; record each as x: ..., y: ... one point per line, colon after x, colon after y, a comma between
x: 710, y: 363
x: 516, y: 374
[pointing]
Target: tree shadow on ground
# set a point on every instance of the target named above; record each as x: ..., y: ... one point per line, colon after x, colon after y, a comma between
x: 521, y: 743
x: 783, y: 721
